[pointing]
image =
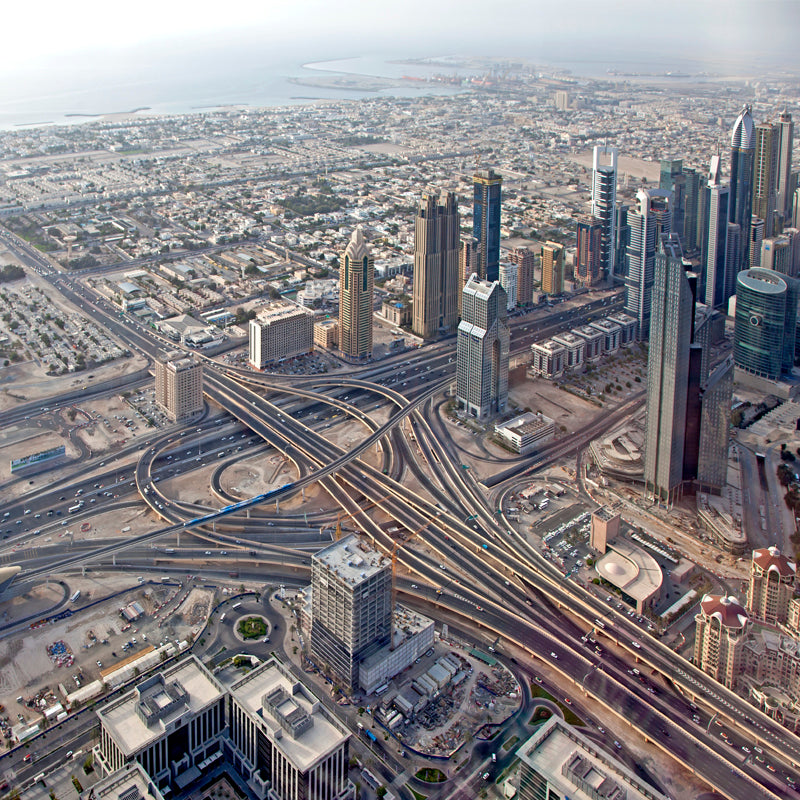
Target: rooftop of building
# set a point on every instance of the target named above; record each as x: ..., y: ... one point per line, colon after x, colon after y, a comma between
x: 765, y: 281
x: 568, y: 338
x: 298, y: 724
x: 604, y: 513
x: 352, y: 560
x: 576, y: 768
x: 606, y: 325
x: 727, y: 610
x: 182, y: 323
x: 548, y: 345
x: 529, y: 422
x: 130, y: 782
x: 184, y: 688
x: 770, y: 559
x: 587, y: 332
x: 406, y: 623
x: 280, y: 309
x: 631, y: 569
x: 621, y: 318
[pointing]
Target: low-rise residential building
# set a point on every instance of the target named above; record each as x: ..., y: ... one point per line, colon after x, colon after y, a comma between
x: 574, y: 348
x: 326, y: 333
x: 612, y: 334
x: 594, y: 342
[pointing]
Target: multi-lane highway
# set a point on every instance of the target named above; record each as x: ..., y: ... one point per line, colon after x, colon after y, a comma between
x: 482, y: 572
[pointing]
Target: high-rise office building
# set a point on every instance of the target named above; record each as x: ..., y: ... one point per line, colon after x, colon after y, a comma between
x: 604, y: 203
x: 525, y: 261
x: 351, y: 605
x: 483, y: 349
x: 436, y: 261
x: 756, y: 240
x: 643, y: 223
x: 281, y: 330
x: 588, y: 266
x: 717, y: 238
x: 467, y: 264
x: 715, y: 429
x: 487, y: 189
x: 778, y: 254
x: 622, y: 238
x: 785, y: 145
x: 743, y: 143
x: 509, y: 276
x: 179, y: 385
x: 552, y: 268
x: 672, y: 179
x: 733, y: 258
x: 765, y: 175
x: 765, y: 324
x: 692, y: 205
x: 356, y: 288
x: 668, y: 367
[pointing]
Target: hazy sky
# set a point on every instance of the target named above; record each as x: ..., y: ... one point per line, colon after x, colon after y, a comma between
x: 47, y: 30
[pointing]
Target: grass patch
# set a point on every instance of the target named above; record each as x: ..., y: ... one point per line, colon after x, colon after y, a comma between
x: 570, y: 717
x: 252, y: 628
x: 418, y: 796
x: 510, y: 743
x: 431, y: 775
x: 537, y: 691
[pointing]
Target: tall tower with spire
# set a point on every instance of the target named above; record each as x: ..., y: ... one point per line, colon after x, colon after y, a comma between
x: 356, y: 287
x: 743, y: 146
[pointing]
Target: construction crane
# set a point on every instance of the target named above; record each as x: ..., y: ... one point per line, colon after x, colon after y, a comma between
x: 399, y: 544
x: 340, y: 518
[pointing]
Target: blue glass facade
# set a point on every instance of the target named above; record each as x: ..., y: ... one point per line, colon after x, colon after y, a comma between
x: 488, y: 186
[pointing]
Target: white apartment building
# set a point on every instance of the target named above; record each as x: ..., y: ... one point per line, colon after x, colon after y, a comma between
x: 548, y: 359
x: 279, y: 331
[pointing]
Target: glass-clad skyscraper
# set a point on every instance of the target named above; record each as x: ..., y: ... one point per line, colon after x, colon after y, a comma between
x: 766, y: 314
x: 488, y: 186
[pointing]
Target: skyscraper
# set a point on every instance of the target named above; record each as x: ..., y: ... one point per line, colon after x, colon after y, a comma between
x: 552, y: 268
x: 643, y: 224
x: 487, y: 186
x: 356, y: 287
x: 525, y: 261
x: 483, y: 349
x: 756, y: 240
x: 604, y: 201
x: 715, y: 429
x: 436, y: 259
x: 693, y: 190
x: 717, y: 252
x: 766, y: 319
x: 509, y: 275
x: 672, y: 179
x: 668, y: 373
x: 765, y: 175
x: 785, y: 144
x: 351, y: 605
x: 587, y: 252
x: 743, y: 142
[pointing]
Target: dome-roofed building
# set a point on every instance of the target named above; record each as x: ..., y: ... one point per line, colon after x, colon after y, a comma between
x: 772, y: 583
x: 719, y: 635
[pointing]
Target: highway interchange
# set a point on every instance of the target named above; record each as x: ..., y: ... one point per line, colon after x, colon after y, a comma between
x: 465, y: 557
